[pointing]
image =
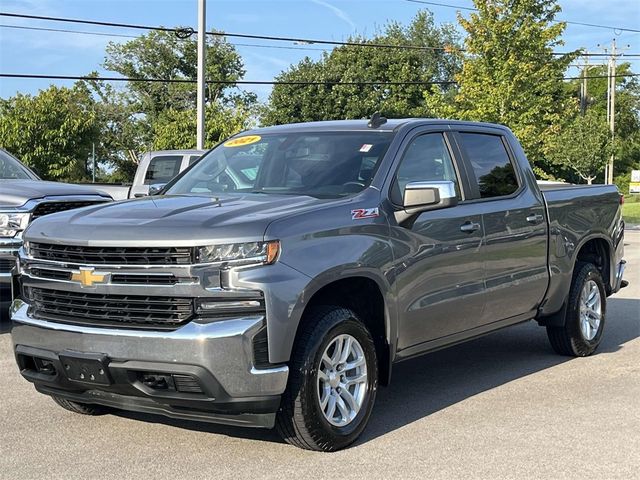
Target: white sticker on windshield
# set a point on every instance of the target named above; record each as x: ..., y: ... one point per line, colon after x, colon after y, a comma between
x: 366, y: 147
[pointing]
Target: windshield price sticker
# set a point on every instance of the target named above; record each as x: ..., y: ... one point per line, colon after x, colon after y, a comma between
x: 242, y: 141
x: 366, y: 147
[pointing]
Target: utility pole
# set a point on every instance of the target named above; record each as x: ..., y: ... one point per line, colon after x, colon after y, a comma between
x: 584, y: 99
x: 202, y: 43
x: 611, y: 106
x: 93, y: 158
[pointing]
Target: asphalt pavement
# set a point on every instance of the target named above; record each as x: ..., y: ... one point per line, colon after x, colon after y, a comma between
x: 501, y: 406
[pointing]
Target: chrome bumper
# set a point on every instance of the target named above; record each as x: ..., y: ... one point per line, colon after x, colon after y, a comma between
x: 619, y: 274
x: 220, y: 354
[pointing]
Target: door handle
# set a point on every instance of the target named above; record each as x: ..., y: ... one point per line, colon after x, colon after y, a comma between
x: 469, y: 227
x: 535, y: 219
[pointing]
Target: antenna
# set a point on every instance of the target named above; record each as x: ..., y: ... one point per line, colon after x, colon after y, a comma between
x: 376, y: 120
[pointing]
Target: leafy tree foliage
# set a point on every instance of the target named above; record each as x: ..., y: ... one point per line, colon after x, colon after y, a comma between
x: 176, y: 129
x: 52, y: 132
x: 162, y: 115
x: 510, y: 75
x: 584, y: 145
x: 298, y: 103
x: 627, y: 131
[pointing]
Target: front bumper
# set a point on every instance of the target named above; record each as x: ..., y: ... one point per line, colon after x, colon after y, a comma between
x: 8, y: 252
x: 217, y: 356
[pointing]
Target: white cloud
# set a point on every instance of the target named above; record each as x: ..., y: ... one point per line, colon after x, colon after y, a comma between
x: 341, y: 14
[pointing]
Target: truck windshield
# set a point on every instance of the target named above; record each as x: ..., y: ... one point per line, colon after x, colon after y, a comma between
x: 12, y: 169
x: 326, y: 164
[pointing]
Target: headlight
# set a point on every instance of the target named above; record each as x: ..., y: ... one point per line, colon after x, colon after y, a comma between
x: 12, y: 223
x: 240, y: 253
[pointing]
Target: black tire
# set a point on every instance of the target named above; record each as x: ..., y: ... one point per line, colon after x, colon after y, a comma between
x: 300, y: 420
x: 569, y: 340
x: 81, y: 408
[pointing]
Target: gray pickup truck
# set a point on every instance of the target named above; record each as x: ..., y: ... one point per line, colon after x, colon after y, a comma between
x: 24, y: 197
x: 285, y: 303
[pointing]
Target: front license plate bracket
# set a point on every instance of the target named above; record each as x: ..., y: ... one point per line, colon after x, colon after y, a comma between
x: 87, y: 368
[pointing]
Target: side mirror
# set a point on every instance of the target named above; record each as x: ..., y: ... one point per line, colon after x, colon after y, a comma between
x: 155, y: 188
x: 422, y: 196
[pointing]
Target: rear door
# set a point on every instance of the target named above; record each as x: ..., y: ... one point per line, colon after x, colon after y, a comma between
x: 438, y: 270
x: 515, y: 246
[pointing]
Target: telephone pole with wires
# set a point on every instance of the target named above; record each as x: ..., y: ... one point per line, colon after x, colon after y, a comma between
x: 611, y: 106
x: 611, y: 103
x: 202, y: 53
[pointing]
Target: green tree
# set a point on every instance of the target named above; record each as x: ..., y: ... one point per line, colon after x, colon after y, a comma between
x: 176, y: 129
x: 297, y: 103
x: 154, y: 115
x: 510, y: 74
x: 52, y: 131
x: 584, y: 146
x: 627, y: 125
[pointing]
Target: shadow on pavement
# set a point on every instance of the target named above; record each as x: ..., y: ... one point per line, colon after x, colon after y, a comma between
x: 433, y: 382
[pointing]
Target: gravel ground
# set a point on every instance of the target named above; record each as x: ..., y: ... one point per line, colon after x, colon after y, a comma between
x: 502, y: 406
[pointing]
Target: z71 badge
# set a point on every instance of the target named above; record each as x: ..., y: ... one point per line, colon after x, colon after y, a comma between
x: 360, y: 213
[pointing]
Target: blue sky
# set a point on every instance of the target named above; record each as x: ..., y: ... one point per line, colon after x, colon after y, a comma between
x: 23, y: 51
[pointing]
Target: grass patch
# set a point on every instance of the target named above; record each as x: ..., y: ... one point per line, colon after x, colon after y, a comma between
x: 631, y: 212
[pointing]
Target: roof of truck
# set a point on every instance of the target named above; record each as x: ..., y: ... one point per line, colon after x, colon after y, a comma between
x: 391, y: 124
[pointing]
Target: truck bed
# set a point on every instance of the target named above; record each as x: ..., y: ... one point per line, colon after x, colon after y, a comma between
x: 577, y: 214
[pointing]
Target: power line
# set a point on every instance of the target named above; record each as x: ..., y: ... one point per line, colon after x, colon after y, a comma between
x: 103, y: 34
x: 61, y: 30
x: 186, y: 32
x: 570, y: 22
x: 217, y: 82
x: 259, y: 82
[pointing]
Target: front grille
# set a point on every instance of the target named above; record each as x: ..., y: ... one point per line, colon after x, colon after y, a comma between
x: 112, y: 255
x: 50, y: 274
x: 46, y: 208
x: 123, y: 311
x: 124, y: 278
x: 116, y: 278
x: 6, y: 265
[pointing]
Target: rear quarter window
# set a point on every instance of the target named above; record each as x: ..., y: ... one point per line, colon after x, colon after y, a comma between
x: 494, y: 172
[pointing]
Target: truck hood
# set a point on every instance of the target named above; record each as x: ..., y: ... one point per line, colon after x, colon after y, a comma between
x: 180, y: 220
x: 15, y: 193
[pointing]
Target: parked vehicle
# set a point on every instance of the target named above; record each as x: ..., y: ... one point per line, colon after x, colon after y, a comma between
x: 24, y: 197
x: 285, y: 300
x: 154, y: 171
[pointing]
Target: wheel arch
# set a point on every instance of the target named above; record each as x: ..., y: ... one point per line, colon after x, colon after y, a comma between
x: 596, y: 249
x: 362, y: 293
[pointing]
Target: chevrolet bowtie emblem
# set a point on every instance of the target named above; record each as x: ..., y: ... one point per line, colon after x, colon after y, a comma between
x: 87, y: 276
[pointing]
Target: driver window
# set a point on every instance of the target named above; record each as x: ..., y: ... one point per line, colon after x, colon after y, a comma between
x: 426, y: 159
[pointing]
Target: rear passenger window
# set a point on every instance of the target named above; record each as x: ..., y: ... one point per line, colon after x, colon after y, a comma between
x: 162, y: 169
x: 491, y: 164
x: 426, y: 159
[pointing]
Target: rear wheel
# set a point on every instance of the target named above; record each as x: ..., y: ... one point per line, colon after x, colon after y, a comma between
x: 81, y: 408
x: 585, y: 318
x: 333, y: 380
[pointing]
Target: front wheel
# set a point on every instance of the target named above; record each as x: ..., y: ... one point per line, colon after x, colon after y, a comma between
x: 81, y: 408
x: 584, y: 321
x: 333, y: 379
